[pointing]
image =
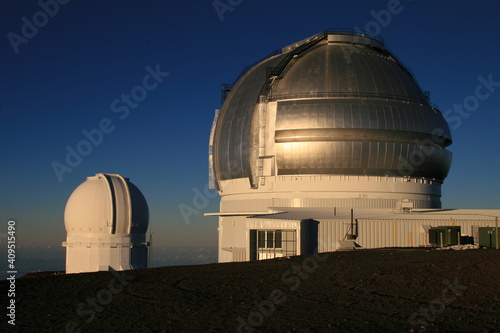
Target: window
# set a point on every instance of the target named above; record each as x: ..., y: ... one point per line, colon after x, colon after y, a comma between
x: 261, y: 239
x: 277, y: 240
x: 269, y: 239
x: 268, y: 244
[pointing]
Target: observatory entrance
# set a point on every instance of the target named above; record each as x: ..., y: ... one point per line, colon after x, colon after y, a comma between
x: 269, y: 244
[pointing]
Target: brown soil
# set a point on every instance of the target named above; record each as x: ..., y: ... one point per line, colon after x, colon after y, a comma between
x: 388, y: 290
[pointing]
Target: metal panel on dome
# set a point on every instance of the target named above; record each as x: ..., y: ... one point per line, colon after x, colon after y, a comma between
x: 94, y: 193
x: 233, y: 130
x: 329, y: 136
x: 346, y: 69
x: 362, y: 158
x: 122, y: 208
x: 364, y: 114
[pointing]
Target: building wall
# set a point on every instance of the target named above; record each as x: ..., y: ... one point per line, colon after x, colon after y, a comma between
x: 234, y: 235
x: 93, y: 259
x: 387, y: 233
x: 403, y: 231
x: 87, y: 254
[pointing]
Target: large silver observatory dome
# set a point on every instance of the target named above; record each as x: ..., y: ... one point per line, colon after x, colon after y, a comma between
x: 343, y: 104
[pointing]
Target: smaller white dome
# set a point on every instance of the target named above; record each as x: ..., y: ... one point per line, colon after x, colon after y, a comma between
x: 106, y: 204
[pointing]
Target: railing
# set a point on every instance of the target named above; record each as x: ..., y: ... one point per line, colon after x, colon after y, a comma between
x: 225, y: 89
x: 249, y: 67
x: 424, y: 101
x: 353, y: 32
x: 314, y: 39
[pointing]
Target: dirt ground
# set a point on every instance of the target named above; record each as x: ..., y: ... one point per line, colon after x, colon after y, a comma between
x: 385, y: 290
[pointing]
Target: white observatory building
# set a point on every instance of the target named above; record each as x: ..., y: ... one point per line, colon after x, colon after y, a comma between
x: 330, y: 124
x: 106, y: 220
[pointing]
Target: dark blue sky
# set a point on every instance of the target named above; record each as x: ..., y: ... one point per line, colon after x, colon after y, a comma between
x: 74, y: 72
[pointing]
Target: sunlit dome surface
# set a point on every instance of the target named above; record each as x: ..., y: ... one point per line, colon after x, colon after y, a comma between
x: 107, y: 204
x: 345, y: 105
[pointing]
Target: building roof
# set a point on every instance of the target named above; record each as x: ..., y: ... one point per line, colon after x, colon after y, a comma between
x: 381, y: 214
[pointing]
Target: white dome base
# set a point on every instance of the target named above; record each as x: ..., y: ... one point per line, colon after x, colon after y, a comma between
x: 328, y: 191
x: 85, y: 254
